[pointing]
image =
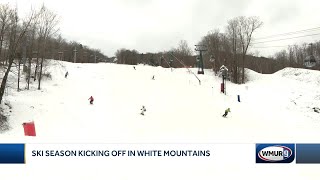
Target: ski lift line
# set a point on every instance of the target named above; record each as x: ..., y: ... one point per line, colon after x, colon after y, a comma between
x: 252, y: 46
x: 152, y: 64
x: 187, y: 68
x: 167, y: 62
x: 289, y: 33
x: 286, y: 38
x: 271, y: 46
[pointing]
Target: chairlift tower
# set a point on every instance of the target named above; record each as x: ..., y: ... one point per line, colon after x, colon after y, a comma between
x: 200, y: 48
x: 311, y: 49
x: 75, y: 54
x: 310, y: 61
x: 161, y: 60
x: 224, y: 71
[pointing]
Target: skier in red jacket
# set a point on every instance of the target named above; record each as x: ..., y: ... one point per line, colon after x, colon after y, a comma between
x: 91, y: 100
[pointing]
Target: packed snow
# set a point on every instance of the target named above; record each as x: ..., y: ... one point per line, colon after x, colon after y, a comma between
x: 273, y: 108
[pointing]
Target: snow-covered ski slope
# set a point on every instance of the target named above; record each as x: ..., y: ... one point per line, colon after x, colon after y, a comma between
x: 178, y: 108
x: 275, y: 108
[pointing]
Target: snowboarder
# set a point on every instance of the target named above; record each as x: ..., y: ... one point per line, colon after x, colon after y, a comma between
x: 226, y: 112
x: 143, y: 109
x: 153, y: 77
x: 91, y: 100
x: 66, y: 75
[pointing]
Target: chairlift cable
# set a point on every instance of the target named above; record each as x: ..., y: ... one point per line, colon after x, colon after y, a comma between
x: 285, y: 38
x: 289, y: 33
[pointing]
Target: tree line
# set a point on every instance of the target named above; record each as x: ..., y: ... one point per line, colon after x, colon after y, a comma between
x: 295, y: 55
x: 164, y: 59
x: 31, y: 40
x: 229, y: 48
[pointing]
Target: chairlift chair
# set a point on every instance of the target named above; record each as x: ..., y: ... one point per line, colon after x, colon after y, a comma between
x: 310, y: 61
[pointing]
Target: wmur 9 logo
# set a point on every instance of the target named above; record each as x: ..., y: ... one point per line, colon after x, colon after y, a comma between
x: 275, y: 153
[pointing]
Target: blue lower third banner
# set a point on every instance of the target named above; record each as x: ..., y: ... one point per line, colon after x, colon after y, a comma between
x: 275, y: 153
x: 12, y: 153
x: 308, y: 153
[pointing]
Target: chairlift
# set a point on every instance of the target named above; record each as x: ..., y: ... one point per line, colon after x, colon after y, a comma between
x: 310, y: 61
x: 212, y: 59
x: 223, y: 71
x: 223, y: 67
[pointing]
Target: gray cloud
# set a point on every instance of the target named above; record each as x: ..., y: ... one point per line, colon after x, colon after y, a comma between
x: 156, y: 25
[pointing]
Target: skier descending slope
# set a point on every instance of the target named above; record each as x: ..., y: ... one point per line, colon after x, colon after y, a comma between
x: 143, y: 109
x: 226, y: 112
x: 91, y: 100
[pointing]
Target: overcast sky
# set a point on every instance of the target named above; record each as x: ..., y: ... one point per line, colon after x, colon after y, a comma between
x: 158, y: 25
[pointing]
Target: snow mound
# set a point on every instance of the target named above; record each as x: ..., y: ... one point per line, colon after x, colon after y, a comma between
x: 303, y: 75
x: 252, y: 75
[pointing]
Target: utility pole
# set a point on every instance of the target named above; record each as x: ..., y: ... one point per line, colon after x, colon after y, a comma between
x: 85, y: 56
x: 201, y: 48
x: 141, y: 57
x: 75, y: 54
x: 61, y: 55
x: 311, y: 49
x: 161, y: 60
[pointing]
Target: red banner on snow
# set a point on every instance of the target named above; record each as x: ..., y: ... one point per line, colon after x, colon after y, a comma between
x: 29, y: 129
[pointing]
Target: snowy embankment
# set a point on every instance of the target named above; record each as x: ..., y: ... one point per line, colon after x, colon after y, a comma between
x: 294, y: 89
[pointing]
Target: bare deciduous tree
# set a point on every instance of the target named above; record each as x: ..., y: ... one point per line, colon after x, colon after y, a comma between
x: 5, y: 12
x: 184, y: 49
x: 48, y: 22
x: 232, y: 33
x: 126, y: 56
x: 17, y: 32
x: 247, y: 26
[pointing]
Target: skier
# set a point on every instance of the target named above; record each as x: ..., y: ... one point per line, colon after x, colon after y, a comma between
x: 226, y: 112
x: 66, y: 75
x: 91, y: 100
x: 134, y: 68
x: 153, y: 77
x: 143, y: 109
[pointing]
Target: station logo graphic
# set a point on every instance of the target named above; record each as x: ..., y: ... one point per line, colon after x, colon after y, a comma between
x: 275, y: 153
